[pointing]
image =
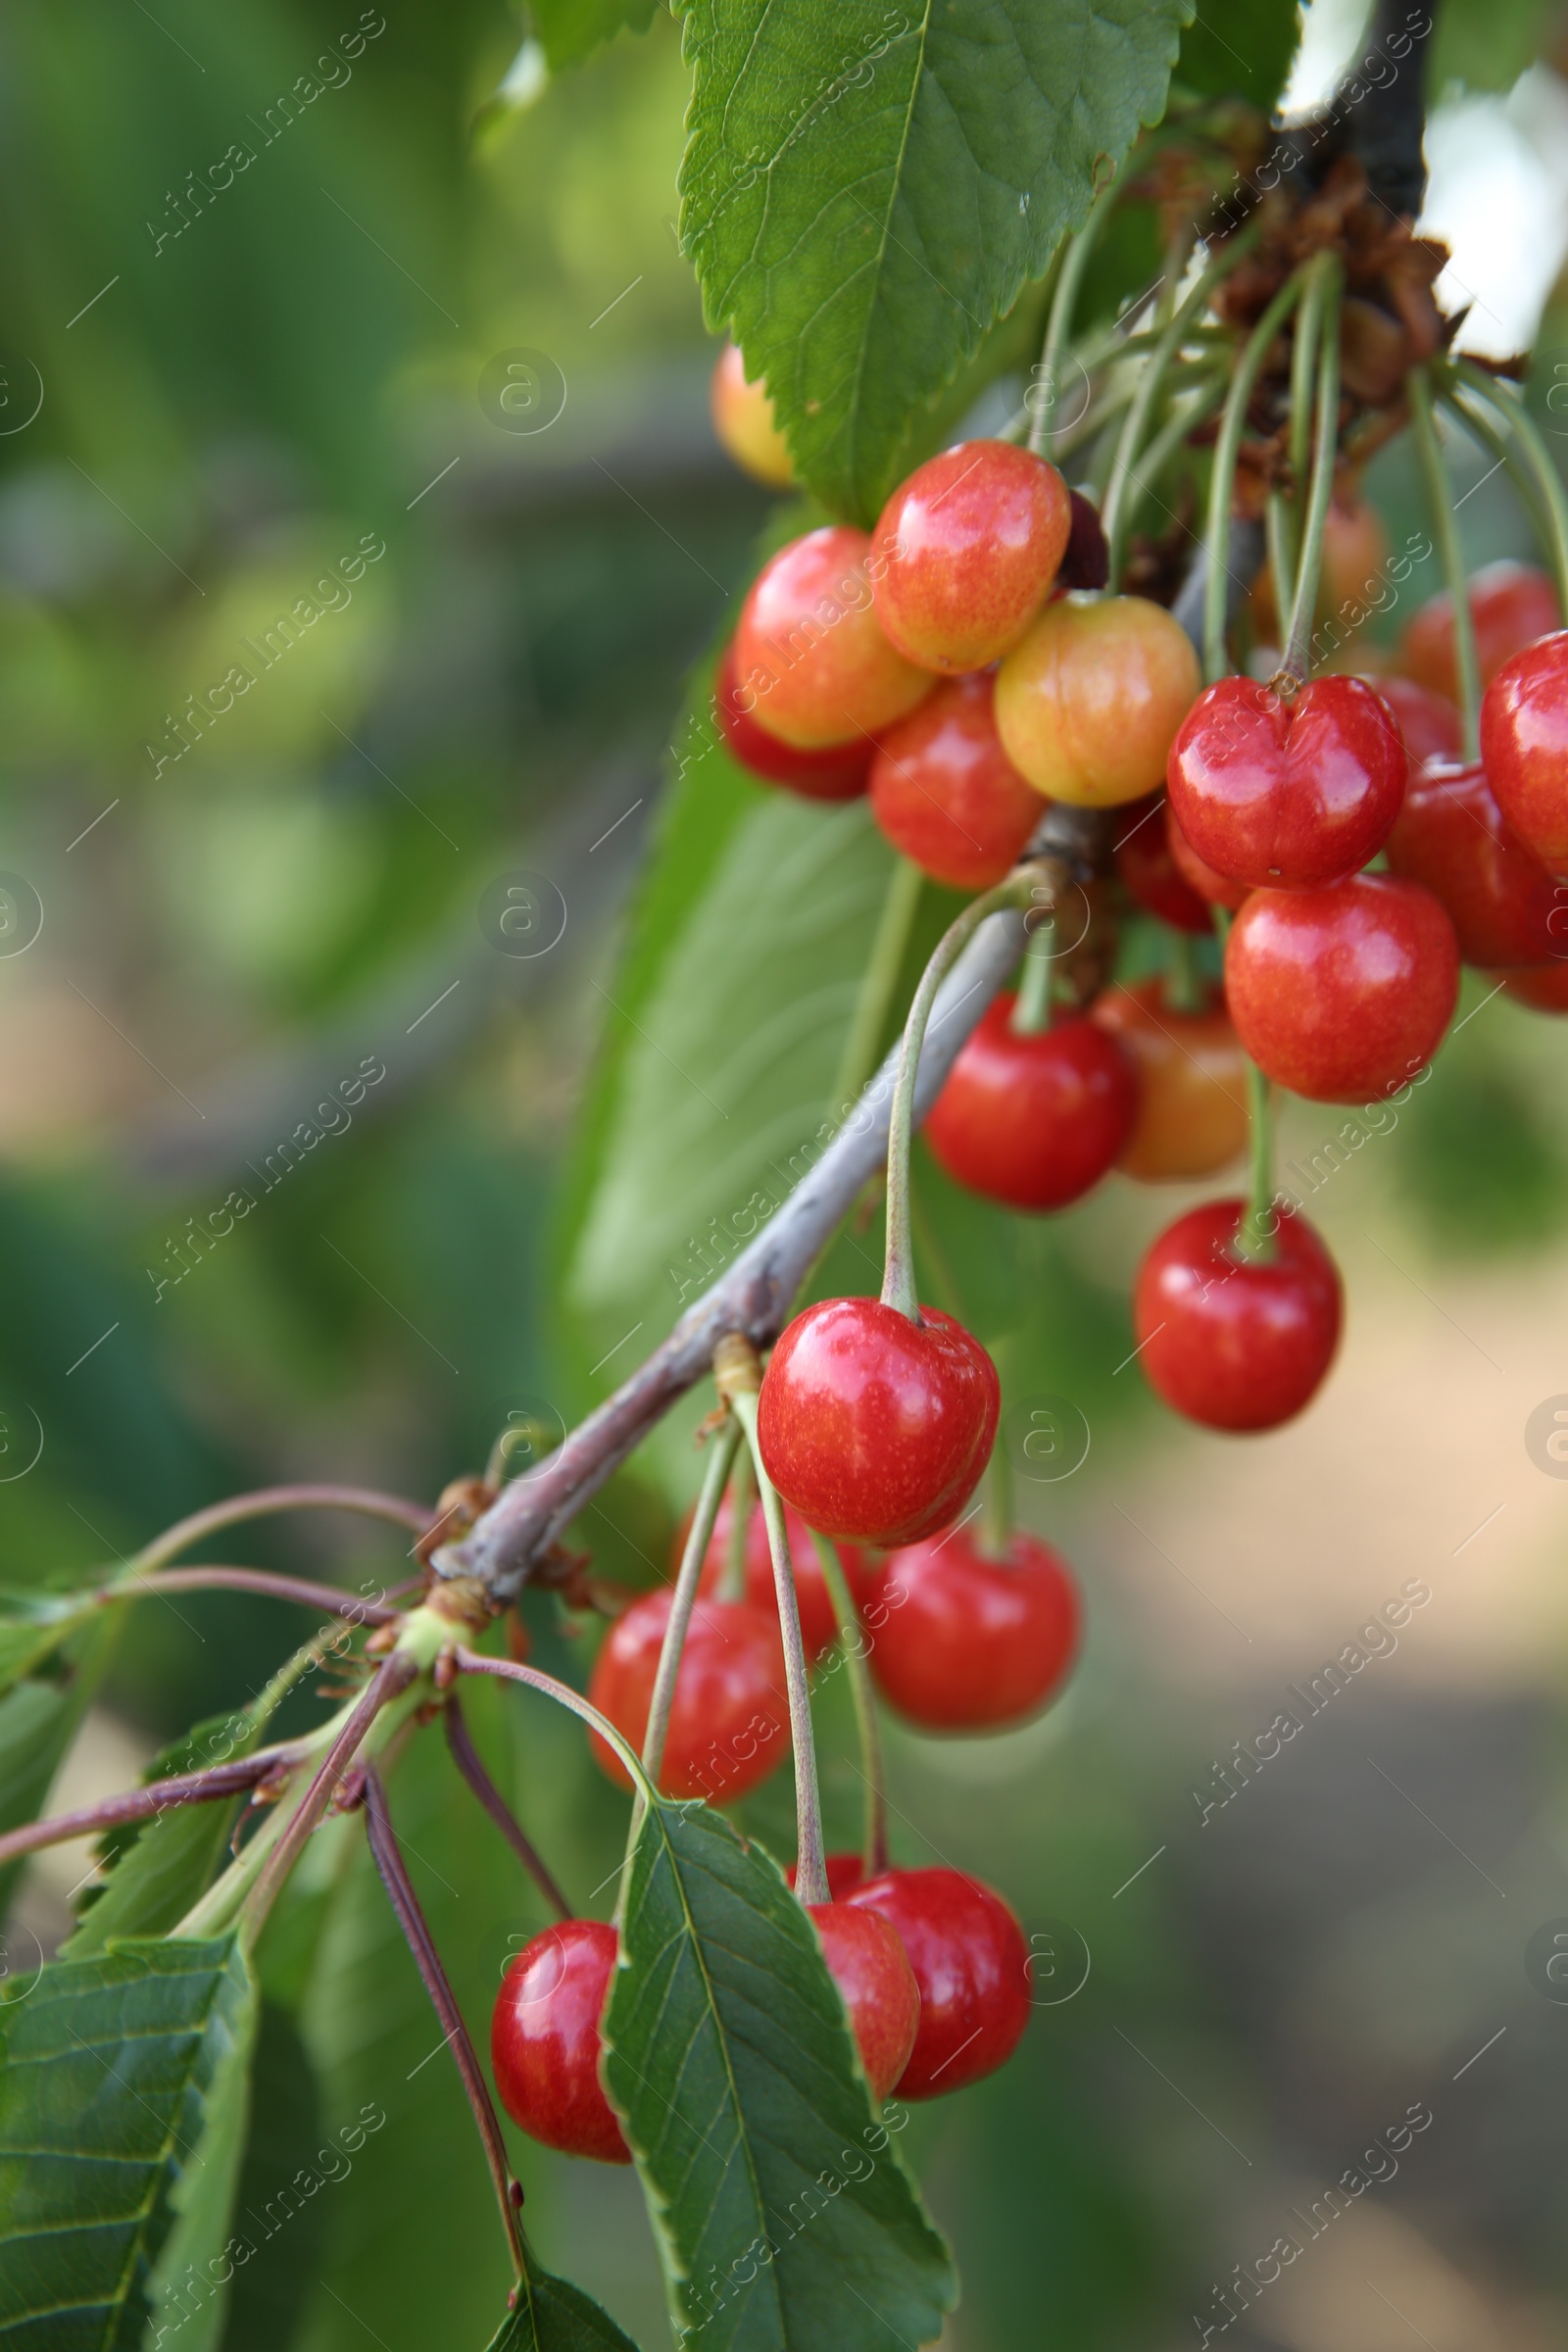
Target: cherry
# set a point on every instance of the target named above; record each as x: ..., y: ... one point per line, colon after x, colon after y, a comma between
x: 1034, y: 1119
x: 1450, y: 835
x: 812, y: 664
x: 1237, y: 1342
x: 1544, y: 989
x: 1147, y: 866
x: 819, y: 1628
x: 971, y: 1965
x: 1192, y: 1112
x: 1088, y: 701
x: 967, y: 1642
x: 1216, y: 889
x: 945, y: 792
x: 838, y: 773
x: 1524, y: 744
x: 729, y: 1724
x: 872, y: 1972
x: 1085, y: 559
x: 875, y: 1427
x: 1511, y: 605
x: 965, y: 552
x: 545, y: 2045
x: 743, y: 419
x: 1429, y: 722
x: 1342, y: 994
x: 1287, y: 793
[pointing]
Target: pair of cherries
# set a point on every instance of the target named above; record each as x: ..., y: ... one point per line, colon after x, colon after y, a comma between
x: 931, y: 1965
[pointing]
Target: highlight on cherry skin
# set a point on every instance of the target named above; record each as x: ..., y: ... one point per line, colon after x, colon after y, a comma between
x: 545, y: 2042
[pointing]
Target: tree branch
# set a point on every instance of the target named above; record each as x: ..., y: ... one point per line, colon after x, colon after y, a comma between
x: 265, y: 1501
x: 467, y: 1760
x: 298, y: 1589
x: 142, y: 1804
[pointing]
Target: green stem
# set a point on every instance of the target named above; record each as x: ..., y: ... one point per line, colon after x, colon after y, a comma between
x: 898, y: 1281
x: 1446, y: 530
x: 1303, y: 610
x: 1183, y: 420
x: 1222, y: 481
x: 880, y: 986
x: 1074, y: 262
x: 1549, y: 481
x: 1031, y: 1012
x: 863, y: 1697
x: 1184, y: 983
x: 1304, y: 367
x: 732, y: 1575
x: 810, y: 1867
x: 1280, y: 543
x: 1256, y: 1235
x: 722, y: 1453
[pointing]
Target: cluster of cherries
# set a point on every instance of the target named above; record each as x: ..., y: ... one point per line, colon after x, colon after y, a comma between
x: 963, y: 665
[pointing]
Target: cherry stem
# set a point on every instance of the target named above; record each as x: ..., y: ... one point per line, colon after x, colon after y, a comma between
x: 1446, y: 530
x: 411, y: 1918
x: 1256, y: 1235
x: 266, y: 1500
x: 811, y: 1867
x: 720, y: 1456
x: 508, y: 1670
x: 1207, y: 390
x: 1074, y: 262
x: 204, y: 1787
x: 1510, y: 407
x: 1323, y: 293
x: 1184, y: 986
x: 1222, y: 481
x: 880, y: 986
x: 852, y: 1648
x: 254, y: 1580
x: 732, y: 1572
x: 1031, y: 1012
x: 1034, y: 883
x: 467, y: 1760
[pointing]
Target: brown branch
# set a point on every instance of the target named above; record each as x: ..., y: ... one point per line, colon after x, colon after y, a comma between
x: 141, y: 1805
x: 258, y: 1579
x: 467, y: 1760
x: 393, y: 1676
x: 266, y: 1500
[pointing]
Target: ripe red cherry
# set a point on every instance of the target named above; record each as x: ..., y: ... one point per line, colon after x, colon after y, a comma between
x: 1450, y: 836
x: 945, y: 792
x: 1544, y: 990
x: 1342, y: 994
x: 1287, y: 793
x: 971, y: 1965
x: 1524, y: 746
x: 838, y: 773
x: 544, y: 2040
x: 819, y: 1624
x: 873, y: 1975
x: 1089, y: 701
x: 1191, y: 1073
x: 1147, y: 865
x: 964, y: 1642
x: 966, y: 551
x: 1217, y: 889
x: 1034, y: 1120
x: 1236, y: 1343
x: 744, y: 420
x: 874, y: 1427
x: 1429, y: 722
x: 812, y: 664
x: 1512, y: 605
x: 729, y: 1725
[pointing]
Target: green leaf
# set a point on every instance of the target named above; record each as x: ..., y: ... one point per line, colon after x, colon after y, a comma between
x: 38, y: 1720
x: 785, y: 2216
x: 554, y: 2316
x: 278, y: 2229
x: 161, y: 1867
x: 1241, y: 48
x: 121, y: 2092
x: 867, y: 191
x: 571, y: 30
x: 1486, y: 44
x: 34, y: 1624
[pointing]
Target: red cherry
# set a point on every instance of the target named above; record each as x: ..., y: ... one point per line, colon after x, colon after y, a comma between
x: 1233, y: 1342
x: 1289, y: 794
x: 837, y: 774
x: 962, y: 1644
x: 1512, y: 605
x: 1086, y: 559
x: 966, y: 551
x: 729, y: 1725
x: 1200, y: 878
x: 873, y: 1975
x: 819, y: 1624
x: 1147, y: 865
x: 1544, y: 990
x: 945, y: 792
x: 544, y: 2040
x: 1429, y: 722
x: 812, y: 664
x: 971, y: 1965
x: 1342, y: 994
x: 1192, y: 1081
x: 1524, y: 746
x: 874, y: 1427
x: 1450, y: 835
x: 1034, y: 1120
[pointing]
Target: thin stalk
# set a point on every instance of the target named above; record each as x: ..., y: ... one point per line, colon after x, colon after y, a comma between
x: 732, y: 1575
x: 1222, y: 483
x: 1446, y: 530
x: 1304, y: 608
x: 266, y: 1500
x: 1256, y: 1235
x: 204, y: 1787
x: 1031, y: 1012
x: 1279, y: 540
x: 722, y: 1453
x: 940, y: 1282
x: 508, y: 1670
x: 1074, y: 262
x: 810, y: 1867
x: 1304, y: 368
x: 1029, y: 883
x: 422, y: 1944
x: 880, y: 983
x: 1184, y: 984
x: 254, y: 1580
x: 468, y: 1762
x: 1549, y: 481
x: 1183, y: 420
x: 863, y: 1697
